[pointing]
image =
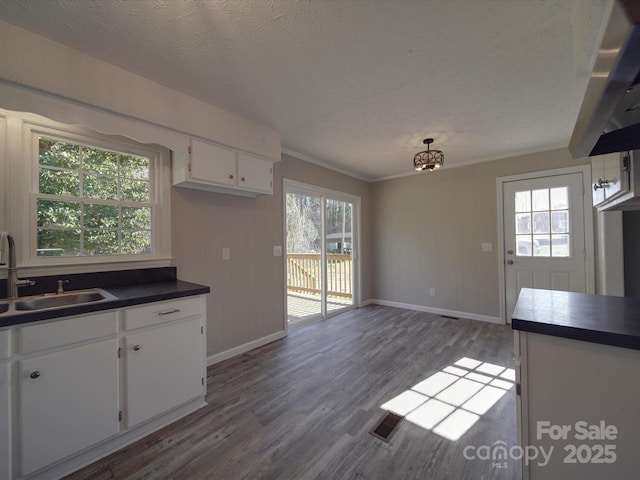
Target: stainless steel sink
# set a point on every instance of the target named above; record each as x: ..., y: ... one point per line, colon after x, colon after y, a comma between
x: 41, y: 302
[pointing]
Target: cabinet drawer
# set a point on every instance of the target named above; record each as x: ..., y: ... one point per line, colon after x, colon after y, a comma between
x: 5, y: 335
x: 159, y: 312
x: 64, y: 332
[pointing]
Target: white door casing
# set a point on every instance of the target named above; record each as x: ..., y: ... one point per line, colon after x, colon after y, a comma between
x: 546, y: 235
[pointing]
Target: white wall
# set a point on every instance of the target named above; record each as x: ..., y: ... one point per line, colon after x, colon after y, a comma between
x: 37, y: 63
x: 248, y: 299
x: 428, y: 229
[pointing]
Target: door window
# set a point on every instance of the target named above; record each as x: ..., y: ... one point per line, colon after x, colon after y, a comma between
x: 542, y: 223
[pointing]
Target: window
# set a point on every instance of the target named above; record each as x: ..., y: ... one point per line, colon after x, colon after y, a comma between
x: 78, y: 197
x: 542, y: 223
x: 92, y: 201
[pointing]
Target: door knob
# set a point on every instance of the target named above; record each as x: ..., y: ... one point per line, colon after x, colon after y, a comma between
x: 35, y: 374
x: 509, y: 252
x: 137, y: 347
x: 509, y: 262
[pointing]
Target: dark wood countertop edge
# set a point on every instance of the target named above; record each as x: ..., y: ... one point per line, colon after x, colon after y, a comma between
x: 575, y: 333
x: 183, y: 289
x: 603, y: 319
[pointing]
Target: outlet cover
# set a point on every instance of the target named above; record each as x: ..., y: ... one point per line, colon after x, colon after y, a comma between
x: 432, y: 292
x: 226, y: 253
x: 277, y: 250
x: 487, y: 247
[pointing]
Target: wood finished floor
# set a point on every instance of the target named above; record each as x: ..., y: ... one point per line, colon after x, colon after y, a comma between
x: 302, y: 407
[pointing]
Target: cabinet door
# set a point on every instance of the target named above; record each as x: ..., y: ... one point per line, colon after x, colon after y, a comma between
x: 570, y: 381
x: 164, y: 369
x: 212, y: 164
x: 68, y: 401
x: 597, y: 174
x: 5, y: 416
x: 615, y: 175
x: 5, y: 340
x: 255, y: 174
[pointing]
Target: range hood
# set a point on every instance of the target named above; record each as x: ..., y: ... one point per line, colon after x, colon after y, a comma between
x: 609, y: 119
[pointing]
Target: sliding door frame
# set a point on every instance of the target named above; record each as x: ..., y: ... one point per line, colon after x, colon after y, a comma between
x: 300, y: 188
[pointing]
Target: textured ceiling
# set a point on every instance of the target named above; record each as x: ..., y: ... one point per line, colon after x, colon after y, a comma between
x: 356, y: 84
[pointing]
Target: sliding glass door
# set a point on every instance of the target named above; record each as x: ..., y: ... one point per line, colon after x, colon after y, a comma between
x: 321, y: 228
x: 304, y: 252
x: 338, y: 250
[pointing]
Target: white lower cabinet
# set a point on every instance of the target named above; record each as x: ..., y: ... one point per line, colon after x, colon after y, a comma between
x: 5, y: 422
x: 164, y: 368
x: 577, y: 408
x: 79, y: 388
x: 68, y: 401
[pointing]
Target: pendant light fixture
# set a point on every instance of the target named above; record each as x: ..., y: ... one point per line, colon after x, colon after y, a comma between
x: 429, y: 159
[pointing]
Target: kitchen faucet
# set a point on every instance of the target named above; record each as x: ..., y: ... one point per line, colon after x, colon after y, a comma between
x: 12, y: 272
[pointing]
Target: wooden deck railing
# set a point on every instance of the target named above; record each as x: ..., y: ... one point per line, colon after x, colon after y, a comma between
x: 304, y: 273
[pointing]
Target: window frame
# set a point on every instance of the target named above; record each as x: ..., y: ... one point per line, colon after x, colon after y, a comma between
x: 159, y: 189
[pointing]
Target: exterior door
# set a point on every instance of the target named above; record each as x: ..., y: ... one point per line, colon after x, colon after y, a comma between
x: 544, y: 235
x: 321, y: 250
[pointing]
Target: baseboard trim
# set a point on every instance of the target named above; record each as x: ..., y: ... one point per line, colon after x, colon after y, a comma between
x: 240, y: 349
x: 368, y: 302
x: 439, y: 311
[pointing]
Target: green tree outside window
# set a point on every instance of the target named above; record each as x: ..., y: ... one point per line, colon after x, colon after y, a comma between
x: 92, y: 201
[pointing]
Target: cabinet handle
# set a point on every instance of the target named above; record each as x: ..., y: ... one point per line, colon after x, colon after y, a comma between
x: 34, y: 374
x: 169, y: 312
x: 231, y: 176
x: 600, y: 184
x: 137, y: 347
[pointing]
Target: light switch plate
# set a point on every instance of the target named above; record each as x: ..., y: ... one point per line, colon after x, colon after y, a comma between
x: 487, y: 247
x: 277, y: 250
x: 226, y: 253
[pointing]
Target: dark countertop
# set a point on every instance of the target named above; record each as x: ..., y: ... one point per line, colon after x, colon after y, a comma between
x: 127, y: 295
x: 600, y: 319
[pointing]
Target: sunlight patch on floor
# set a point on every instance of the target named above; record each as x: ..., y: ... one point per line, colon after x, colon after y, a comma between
x: 452, y: 400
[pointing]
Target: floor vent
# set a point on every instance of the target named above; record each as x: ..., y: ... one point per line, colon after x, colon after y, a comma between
x: 450, y: 317
x: 387, y: 426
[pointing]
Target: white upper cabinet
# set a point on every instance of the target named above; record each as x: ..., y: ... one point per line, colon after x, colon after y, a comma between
x: 615, y: 179
x: 216, y: 168
x: 255, y: 174
x: 210, y: 163
x: 609, y: 177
